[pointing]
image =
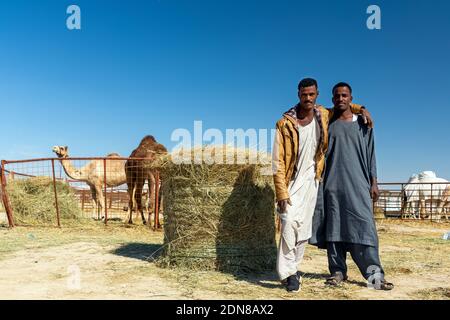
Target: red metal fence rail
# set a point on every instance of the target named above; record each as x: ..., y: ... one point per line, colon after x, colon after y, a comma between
x: 5, y: 199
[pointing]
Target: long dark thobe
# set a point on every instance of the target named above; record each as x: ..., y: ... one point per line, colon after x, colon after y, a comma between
x: 344, y: 207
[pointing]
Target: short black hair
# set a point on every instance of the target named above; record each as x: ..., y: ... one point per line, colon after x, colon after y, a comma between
x: 340, y: 85
x: 307, y: 82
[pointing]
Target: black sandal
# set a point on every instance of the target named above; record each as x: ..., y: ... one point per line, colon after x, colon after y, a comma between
x: 336, y: 279
x: 385, y: 286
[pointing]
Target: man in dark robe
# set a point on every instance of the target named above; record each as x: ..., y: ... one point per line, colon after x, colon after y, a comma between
x: 344, y: 220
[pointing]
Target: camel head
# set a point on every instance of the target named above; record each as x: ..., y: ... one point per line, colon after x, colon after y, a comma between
x: 160, y: 149
x: 157, y: 150
x: 61, y: 152
x: 149, y: 148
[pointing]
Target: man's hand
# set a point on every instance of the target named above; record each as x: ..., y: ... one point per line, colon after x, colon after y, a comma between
x: 282, y: 205
x: 374, y: 192
x: 367, y: 117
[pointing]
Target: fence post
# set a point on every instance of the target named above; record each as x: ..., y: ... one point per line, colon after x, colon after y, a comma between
x: 106, y: 192
x: 5, y: 198
x: 402, y: 203
x: 156, y: 211
x: 431, y: 203
x: 56, y: 194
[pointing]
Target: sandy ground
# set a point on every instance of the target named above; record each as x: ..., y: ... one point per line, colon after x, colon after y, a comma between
x: 78, y: 271
x: 90, y: 267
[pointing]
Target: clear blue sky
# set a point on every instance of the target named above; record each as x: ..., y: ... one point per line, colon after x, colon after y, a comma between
x: 149, y: 67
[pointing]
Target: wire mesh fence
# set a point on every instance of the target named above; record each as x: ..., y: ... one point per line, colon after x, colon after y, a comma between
x: 69, y: 190
x: 414, y: 201
x: 57, y: 190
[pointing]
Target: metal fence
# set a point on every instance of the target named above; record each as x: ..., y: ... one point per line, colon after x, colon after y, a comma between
x: 414, y: 201
x: 102, y: 187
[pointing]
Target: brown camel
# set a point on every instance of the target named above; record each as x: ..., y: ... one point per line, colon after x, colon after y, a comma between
x: 138, y: 173
x: 94, y: 176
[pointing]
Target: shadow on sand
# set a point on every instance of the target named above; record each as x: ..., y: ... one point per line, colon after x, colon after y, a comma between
x: 141, y: 251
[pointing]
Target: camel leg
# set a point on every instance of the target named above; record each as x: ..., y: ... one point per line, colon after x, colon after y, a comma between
x: 146, y: 199
x: 405, y: 210
x: 447, y: 210
x: 412, y: 210
x: 151, y: 194
x: 417, y: 210
x: 421, y: 207
x: 404, y: 206
x: 94, y: 201
x: 147, y: 202
x: 138, y: 197
x: 100, y: 200
x: 435, y: 213
x: 148, y: 206
x: 446, y: 201
x: 135, y: 207
x: 130, y: 202
x: 143, y: 200
x: 442, y: 207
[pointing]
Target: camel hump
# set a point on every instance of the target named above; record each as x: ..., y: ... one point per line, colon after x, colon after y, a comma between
x: 148, y: 139
x: 113, y: 155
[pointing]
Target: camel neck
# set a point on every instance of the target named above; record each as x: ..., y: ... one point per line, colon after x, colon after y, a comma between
x: 70, y: 170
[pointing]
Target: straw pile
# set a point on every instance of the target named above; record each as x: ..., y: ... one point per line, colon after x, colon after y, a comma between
x: 33, y: 201
x: 218, y: 216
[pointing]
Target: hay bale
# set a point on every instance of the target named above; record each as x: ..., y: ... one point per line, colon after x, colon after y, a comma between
x: 33, y: 201
x: 218, y: 216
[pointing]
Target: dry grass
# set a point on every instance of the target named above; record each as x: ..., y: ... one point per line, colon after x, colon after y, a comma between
x: 33, y: 201
x: 439, y: 293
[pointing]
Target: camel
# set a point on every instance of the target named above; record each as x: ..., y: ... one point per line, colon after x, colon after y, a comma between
x: 94, y: 176
x: 431, y: 194
x: 444, y: 208
x: 137, y: 174
x: 430, y: 190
